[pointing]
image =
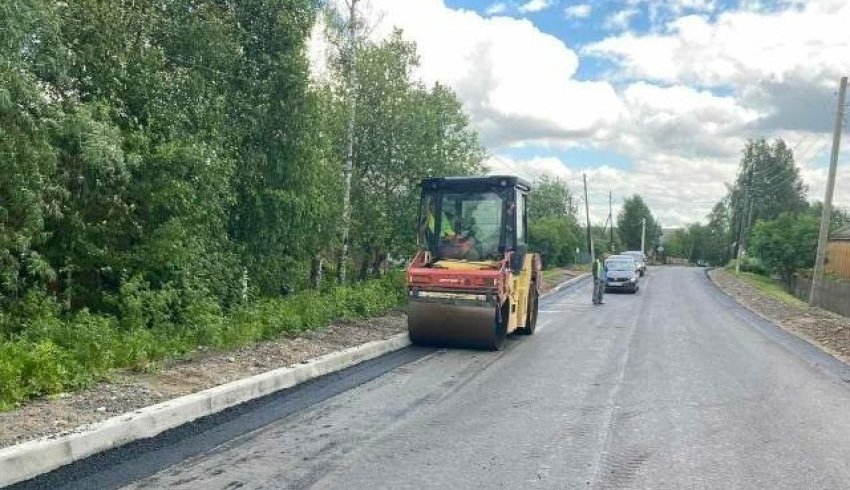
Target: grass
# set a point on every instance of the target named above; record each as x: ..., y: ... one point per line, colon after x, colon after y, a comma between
x: 770, y: 287
x: 44, y: 351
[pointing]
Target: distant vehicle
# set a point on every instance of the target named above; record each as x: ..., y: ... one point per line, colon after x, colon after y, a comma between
x: 622, y: 274
x: 640, y: 259
x: 622, y: 257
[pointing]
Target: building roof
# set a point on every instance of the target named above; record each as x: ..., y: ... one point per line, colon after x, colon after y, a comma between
x: 841, y: 234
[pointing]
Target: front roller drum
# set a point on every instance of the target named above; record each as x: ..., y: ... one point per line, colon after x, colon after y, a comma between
x: 456, y: 325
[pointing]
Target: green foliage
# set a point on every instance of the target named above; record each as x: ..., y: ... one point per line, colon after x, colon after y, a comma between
x: 629, y: 226
x: 170, y: 175
x: 769, y: 175
x: 555, y: 240
x: 786, y: 244
x: 550, y: 197
x: 54, y: 353
x: 552, y: 227
x: 404, y: 132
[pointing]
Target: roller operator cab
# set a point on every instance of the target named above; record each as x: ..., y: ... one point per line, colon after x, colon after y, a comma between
x: 472, y: 281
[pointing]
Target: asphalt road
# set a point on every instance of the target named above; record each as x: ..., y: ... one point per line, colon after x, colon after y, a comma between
x: 675, y: 387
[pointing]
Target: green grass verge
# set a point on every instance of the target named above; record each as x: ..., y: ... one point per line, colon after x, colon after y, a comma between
x: 770, y: 287
x: 43, y: 352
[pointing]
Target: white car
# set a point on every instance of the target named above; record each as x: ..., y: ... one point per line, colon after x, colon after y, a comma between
x: 640, y: 260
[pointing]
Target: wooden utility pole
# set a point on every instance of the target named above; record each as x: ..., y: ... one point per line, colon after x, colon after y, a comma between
x: 826, y: 215
x: 748, y: 202
x: 611, y: 219
x: 349, y: 159
x: 587, y: 215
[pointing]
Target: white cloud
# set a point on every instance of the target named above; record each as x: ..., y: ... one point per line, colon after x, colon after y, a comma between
x: 535, y: 6
x: 740, y: 48
x: 687, y: 98
x: 497, y: 8
x: 495, y: 65
x: 677, y: 191
x: 620, y: 20
x: 579, y: 11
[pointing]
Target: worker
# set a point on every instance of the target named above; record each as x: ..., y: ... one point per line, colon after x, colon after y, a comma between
x: 599, y: 277
x: 447, y: 226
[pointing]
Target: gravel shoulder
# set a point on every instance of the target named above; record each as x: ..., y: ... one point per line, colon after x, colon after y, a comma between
x: 827, y: 330
x: 553, y: 277
x: 127, y: 391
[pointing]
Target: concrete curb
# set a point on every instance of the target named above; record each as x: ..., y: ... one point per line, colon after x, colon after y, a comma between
x: 566, y: 284
x: 30, y: 459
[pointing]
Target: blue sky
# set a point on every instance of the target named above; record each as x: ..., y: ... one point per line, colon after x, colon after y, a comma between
x: 644, y: 96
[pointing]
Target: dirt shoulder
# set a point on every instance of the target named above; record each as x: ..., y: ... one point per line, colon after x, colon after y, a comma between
x: 553, y: 277
x: 128, y: 391
x: 827, y: 330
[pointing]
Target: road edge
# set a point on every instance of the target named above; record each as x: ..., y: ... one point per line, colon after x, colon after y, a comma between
x: 804, y: 347
x: 566, y: 284
x: 29, y: 459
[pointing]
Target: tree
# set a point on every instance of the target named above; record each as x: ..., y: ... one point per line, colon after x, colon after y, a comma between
x: 554, y: 239
x: 768, y: 184
x: 786, y: 244
x: 550, y: 197
x: 629, y: 224
x: 405, y: 132
x: 679, y: 244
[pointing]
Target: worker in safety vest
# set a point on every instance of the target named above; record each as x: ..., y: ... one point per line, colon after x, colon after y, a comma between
x: 599, y: 277
x: 446, y: 228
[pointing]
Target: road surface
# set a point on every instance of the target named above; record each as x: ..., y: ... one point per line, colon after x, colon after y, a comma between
x: 675, y: 387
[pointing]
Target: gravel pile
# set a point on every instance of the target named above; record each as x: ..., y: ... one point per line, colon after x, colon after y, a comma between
x: 128, y: 391
x: 829, y: 331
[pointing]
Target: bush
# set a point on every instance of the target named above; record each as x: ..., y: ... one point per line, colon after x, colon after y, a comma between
x: 554, y: 239
x: 44, y: 352
x: 754, y: 266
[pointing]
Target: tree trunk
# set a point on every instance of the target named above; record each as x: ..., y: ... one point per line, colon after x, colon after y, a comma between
x: 316, y: 264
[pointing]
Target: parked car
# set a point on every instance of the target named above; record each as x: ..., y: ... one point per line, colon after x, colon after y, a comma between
x: 640, y: 260
x: 622, y: 274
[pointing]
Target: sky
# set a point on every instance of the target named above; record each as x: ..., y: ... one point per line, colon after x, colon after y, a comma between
x: 649, y: 97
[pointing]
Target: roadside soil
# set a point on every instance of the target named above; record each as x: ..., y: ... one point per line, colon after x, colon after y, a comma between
x: 827, y: 330
x: 553, y: 277
x: 127, y: 391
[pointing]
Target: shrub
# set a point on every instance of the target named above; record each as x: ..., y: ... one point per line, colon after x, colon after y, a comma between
x: 44, y: 352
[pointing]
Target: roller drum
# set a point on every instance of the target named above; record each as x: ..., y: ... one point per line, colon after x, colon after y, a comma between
x: 456, y: 324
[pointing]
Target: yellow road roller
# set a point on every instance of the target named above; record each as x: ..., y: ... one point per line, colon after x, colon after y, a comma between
x: 472, y: 281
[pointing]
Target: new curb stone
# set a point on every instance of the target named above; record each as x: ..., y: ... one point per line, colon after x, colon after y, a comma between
x: 29, y: 459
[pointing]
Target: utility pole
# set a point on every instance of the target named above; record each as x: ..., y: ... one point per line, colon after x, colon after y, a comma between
x: 349, y: 160
x: 826, y: 215
x: 748, y: 202
x: 643, y: 236
x: 587, y: 215
x: 611, y: 220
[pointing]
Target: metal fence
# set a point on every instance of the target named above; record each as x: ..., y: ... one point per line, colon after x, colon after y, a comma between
x: 833, y: 296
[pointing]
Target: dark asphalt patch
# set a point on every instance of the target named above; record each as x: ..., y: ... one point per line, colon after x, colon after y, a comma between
x: 139, y: 459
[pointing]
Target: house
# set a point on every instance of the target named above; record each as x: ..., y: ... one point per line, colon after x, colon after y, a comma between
x: 838, y: 253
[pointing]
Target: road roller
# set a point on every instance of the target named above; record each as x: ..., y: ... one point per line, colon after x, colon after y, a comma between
x: 472, y: 280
